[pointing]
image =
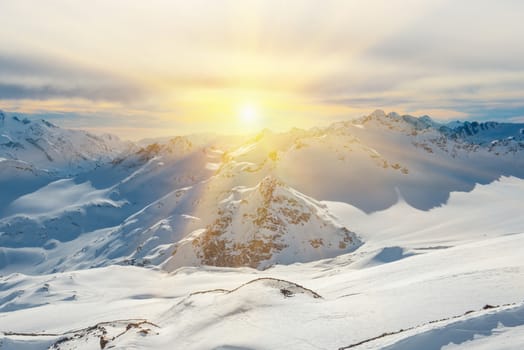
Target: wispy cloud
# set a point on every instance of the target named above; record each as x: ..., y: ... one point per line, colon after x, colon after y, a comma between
x: 95, y: 93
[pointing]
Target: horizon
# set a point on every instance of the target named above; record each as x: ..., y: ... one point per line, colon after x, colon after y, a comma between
x: 251, y: 133
x: 155, y: 69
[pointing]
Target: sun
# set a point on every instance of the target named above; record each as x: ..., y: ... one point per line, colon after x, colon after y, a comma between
x: 249, y: 115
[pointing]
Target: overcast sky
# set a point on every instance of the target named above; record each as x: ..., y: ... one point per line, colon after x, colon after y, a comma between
x: 146, y: 68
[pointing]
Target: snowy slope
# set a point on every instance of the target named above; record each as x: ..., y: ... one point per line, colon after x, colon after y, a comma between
x: 435, y: 162
x: 81, y: 222
x: 428, y: 295
x: 17, y: 178
x: 34, y: 153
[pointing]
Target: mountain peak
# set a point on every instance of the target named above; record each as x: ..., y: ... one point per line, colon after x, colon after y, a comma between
x: 393, y: 115
x: 268, y: 185
x: 378, y: 113
x: 268, y: 224
x: 18, y: 122
x: 426, y: 118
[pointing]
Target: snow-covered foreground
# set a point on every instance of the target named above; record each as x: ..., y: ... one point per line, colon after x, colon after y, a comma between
x: 429, y: 273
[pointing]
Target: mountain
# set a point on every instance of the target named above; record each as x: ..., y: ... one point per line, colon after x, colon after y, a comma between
x: 367, y: 162
x: 383, y: 232
x: 48, y: 147
x: 209, y: 200
x: 265, y: 225
x: 449, y: 277
x: 33, y: 153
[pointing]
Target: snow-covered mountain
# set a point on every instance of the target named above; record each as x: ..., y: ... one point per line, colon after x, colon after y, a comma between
x: 51, y: 148
x: 264, y: 225
x: 367, y: 162
x: 377, y: 232
x: 229, y: 202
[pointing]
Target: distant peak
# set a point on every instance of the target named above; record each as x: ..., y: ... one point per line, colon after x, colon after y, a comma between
x: 426, y: 118
x: 378, y: 114
x: 180, y: 141
x: 393, y: 115
x: 11, y: 119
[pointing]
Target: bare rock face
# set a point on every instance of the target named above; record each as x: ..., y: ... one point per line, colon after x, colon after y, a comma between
x: 265, y: 225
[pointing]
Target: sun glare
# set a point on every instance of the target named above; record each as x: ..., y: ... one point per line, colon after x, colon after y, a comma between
x: 249, y: 116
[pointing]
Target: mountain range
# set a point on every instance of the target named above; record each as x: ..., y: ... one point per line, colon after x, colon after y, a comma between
x: 207, y: 200
x: 354, y: 196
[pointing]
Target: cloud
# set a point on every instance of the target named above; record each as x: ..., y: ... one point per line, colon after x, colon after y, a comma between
x: 511, y: 111
x: 301, y: 60
x: 96, y: 93
x: 459, y: 58
x: 460, y: 36
x: 23, y: 77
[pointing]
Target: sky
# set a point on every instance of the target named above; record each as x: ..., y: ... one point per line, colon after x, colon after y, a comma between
x: 156, y: 68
